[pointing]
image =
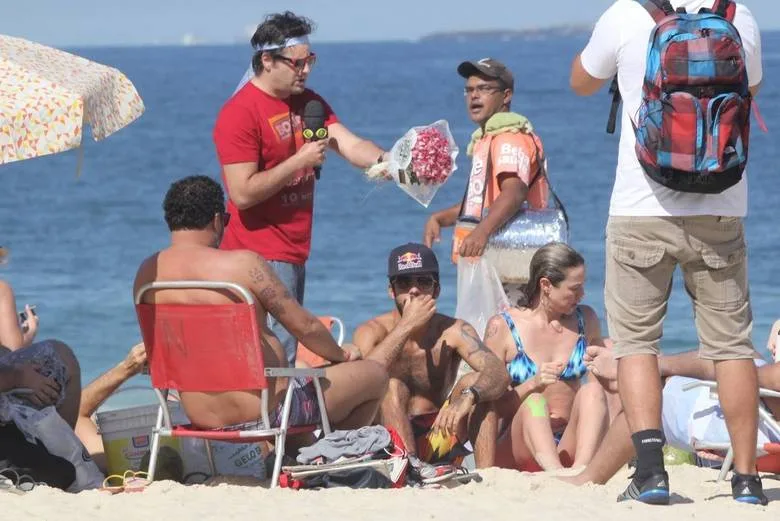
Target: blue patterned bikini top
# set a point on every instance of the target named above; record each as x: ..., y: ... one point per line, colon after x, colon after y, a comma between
x: 521, y: 368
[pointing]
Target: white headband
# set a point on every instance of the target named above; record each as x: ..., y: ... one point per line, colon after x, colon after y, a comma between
x: 289, y: 42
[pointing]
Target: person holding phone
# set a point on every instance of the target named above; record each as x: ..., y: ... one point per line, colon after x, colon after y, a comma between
x: 16, y: 331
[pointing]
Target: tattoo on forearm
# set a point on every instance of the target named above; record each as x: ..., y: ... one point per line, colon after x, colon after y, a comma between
x: 492, y: 374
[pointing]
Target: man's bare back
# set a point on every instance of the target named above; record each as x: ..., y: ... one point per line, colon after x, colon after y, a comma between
x: 195, y: 214
x: 195, y: 262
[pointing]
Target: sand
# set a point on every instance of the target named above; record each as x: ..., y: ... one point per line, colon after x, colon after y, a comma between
x: 503, y: 494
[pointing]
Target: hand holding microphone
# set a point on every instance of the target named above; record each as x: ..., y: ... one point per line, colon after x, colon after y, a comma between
x: 315, y: 133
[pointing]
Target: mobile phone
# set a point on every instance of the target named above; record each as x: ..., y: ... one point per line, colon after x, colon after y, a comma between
x: 23, y: 314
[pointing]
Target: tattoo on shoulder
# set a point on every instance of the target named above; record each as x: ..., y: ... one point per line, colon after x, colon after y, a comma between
x: 256, y: 274
x: 492, y: 329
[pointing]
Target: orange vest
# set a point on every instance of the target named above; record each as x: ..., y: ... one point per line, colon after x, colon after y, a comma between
x: 496, y: 156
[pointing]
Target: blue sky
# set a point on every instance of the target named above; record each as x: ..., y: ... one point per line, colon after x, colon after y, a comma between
x: 138, y: 22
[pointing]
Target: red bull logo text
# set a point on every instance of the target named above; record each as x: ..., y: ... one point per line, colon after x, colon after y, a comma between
x: 409, y: 261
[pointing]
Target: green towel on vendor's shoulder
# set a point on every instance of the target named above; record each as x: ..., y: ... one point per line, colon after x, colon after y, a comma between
x: 499, y: 123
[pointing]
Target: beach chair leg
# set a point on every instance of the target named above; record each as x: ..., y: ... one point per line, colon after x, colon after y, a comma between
x: 210, y: 458
x: 324, y: 421
x: 153, y: 456
x: 724, y: 470
x: 155, y: 445
x: 279, y: 450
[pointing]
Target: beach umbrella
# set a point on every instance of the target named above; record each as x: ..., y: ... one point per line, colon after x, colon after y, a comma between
x: 48, y: 95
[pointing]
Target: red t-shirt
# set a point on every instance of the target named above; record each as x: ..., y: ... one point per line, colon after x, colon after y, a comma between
x: 254, y: 126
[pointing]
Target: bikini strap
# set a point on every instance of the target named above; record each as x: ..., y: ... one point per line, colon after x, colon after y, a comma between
x: 580, y: 322
x: 513, y: 329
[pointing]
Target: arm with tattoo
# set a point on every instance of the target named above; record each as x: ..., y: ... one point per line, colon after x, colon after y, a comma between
x: 493, y: 378
x: 304, y: 326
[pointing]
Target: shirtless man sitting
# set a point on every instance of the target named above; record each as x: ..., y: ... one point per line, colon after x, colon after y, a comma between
x: 195, y: 213
x: 422, y: 350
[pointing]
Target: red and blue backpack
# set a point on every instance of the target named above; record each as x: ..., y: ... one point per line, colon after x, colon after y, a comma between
x: 693, y: 125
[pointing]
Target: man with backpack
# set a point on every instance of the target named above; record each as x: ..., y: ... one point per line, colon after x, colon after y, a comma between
x: 687, y: 71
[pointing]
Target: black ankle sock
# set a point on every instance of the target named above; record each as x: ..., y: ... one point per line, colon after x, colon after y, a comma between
x: 649, y: 446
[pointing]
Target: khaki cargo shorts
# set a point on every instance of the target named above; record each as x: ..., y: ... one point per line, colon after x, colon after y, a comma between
x: 642, y: 254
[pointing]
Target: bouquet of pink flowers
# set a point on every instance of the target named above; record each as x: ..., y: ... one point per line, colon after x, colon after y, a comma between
x: 423, y: 159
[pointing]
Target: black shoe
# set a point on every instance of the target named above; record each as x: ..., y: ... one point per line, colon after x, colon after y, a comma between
x: 747, y: 488
x: 169, y: 465
x: 653, y: 490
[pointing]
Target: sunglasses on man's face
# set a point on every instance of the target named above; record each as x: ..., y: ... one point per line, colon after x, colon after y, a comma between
x: 300, y: 63
x: 406, y: 282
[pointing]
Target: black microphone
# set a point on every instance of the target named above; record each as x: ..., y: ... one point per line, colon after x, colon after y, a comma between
x: 314, y: 125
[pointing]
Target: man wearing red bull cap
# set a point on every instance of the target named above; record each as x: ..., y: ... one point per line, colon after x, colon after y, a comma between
x: 422, y: 349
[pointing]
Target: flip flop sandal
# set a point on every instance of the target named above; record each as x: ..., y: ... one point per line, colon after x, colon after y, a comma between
x: 113, y: 484
x: 17, y: 483
x: 135, y: 481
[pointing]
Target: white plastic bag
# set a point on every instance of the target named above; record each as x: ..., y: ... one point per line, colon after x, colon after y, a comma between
x: 59, y: 439
x: 480, y: 293
x: 402, y: 169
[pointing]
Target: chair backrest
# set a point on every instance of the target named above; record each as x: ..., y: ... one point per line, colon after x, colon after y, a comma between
x: 311, y: 359
x: 202, y: 347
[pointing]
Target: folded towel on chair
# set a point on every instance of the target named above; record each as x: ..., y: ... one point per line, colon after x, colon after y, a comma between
x: 346, y: 443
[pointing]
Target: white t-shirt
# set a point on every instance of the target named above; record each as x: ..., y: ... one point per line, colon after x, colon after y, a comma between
x: 619, y: 46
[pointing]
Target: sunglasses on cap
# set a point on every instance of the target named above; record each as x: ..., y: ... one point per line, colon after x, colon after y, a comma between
x: 422, y: 282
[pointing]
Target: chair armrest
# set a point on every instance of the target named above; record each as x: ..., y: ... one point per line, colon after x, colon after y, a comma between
x: 274, y: 372
x: 704, y: 383
x: 763, y: 392
x: 768, y: 393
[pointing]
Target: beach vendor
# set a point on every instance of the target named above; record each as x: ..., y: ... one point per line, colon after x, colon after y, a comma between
x: 507, y: 157
x: 268, y: 167
x: 422, y: 349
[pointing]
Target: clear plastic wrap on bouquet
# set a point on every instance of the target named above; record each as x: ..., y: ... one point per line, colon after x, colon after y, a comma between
x: 423, y: 159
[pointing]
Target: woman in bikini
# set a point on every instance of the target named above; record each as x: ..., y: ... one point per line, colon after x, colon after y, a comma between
x: 550, y: 417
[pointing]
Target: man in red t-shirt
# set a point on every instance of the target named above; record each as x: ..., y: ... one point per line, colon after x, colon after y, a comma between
x: 267, y: 166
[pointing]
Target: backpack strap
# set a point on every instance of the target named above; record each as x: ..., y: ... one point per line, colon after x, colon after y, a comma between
x: 725, y: 8
x: 658, y: 9
x: 616, y: 99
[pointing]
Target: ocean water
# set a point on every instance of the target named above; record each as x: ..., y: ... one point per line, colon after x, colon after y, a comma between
x: 76, y: 243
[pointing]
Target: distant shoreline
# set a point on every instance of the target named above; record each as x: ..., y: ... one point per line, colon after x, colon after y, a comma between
x: 535, y: 33
x: 509, y: 34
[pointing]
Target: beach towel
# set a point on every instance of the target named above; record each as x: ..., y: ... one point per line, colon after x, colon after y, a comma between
x: 346, y: 443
